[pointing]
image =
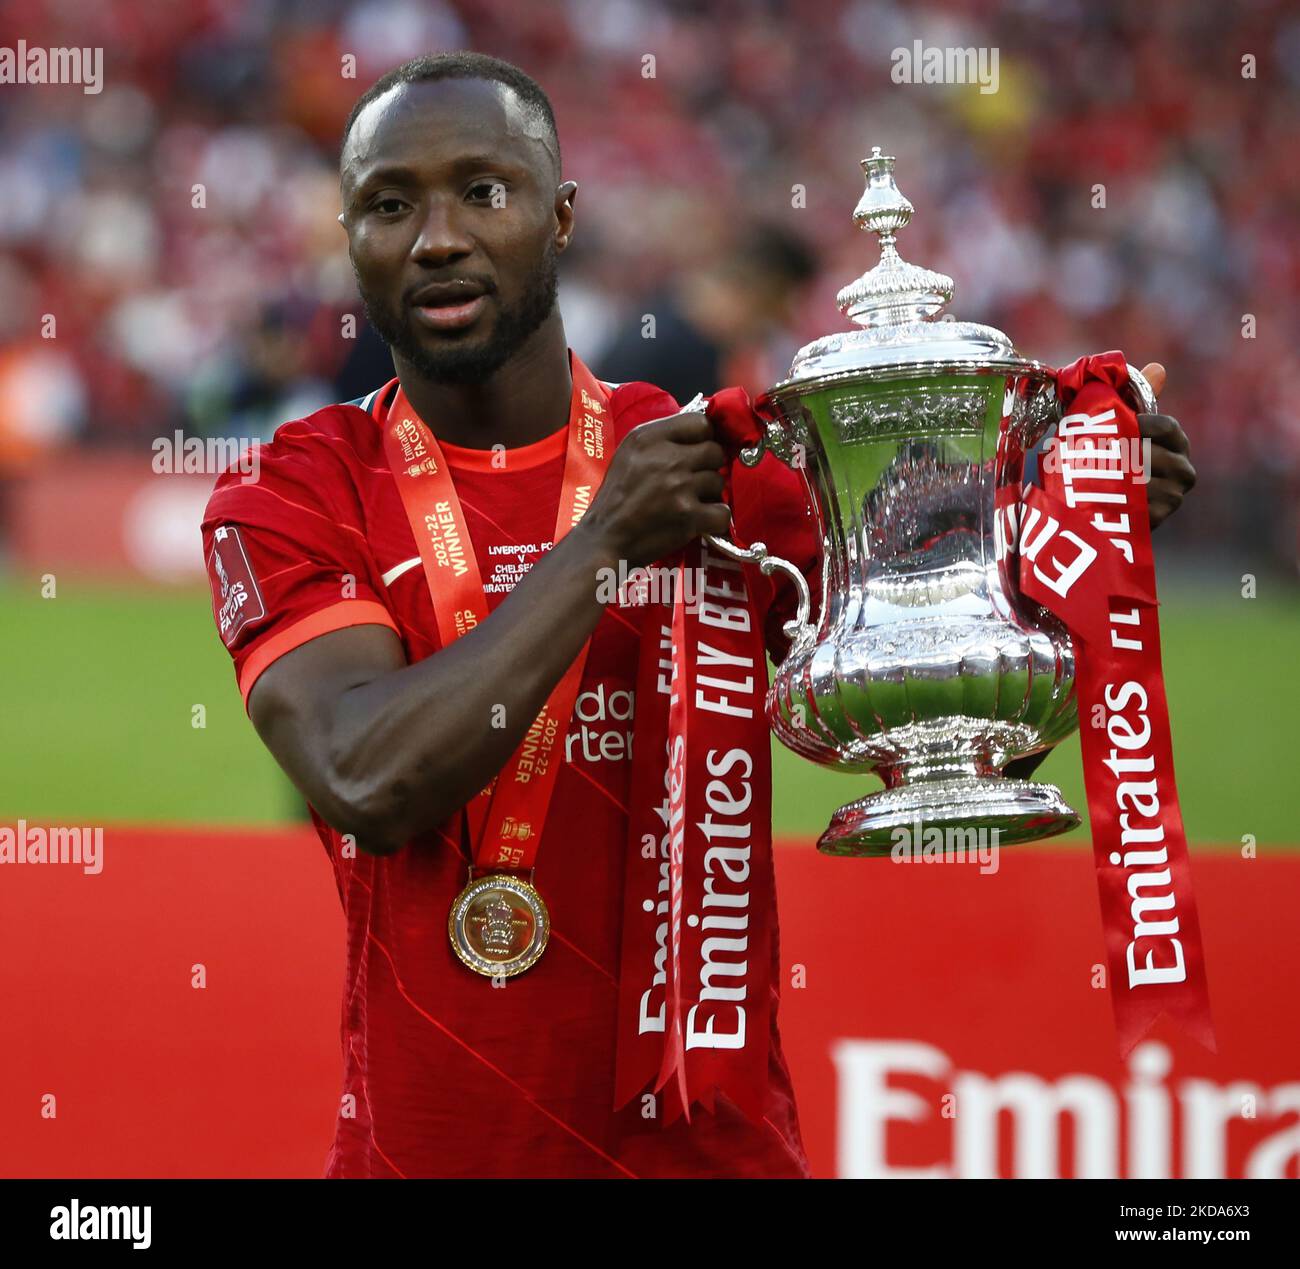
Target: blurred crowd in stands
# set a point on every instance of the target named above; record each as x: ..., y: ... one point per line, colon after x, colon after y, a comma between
x: 716, y: 147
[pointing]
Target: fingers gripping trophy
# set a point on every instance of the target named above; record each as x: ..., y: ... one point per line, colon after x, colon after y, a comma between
x: 927, y: 664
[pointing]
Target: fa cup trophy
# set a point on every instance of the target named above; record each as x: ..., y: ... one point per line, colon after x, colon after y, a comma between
x: 927, y: 665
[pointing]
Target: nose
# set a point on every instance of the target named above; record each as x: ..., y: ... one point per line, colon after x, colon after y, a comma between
x: 442, y: 236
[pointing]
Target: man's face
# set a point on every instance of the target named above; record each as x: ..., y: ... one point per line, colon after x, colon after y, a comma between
x: 455, y: 218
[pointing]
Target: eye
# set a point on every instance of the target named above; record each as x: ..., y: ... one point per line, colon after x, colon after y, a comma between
x: 483, y: 191
x: 387, y: 206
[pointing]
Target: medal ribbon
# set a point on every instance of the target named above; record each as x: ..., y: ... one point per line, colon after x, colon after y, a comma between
x: 1084, y: 545
x: 507, y: 817
x: 695, y: 988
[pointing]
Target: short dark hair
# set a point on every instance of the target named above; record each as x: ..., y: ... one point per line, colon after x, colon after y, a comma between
x: 463, y: 65
x: 770, y: 248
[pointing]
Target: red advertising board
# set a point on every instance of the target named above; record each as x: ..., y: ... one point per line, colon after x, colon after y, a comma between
x: 939, y: 1020
x: 956, y: 1023
x: 145, y: 523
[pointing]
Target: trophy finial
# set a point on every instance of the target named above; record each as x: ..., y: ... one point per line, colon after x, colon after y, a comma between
x: 882, y: 209
x: 894, y: 292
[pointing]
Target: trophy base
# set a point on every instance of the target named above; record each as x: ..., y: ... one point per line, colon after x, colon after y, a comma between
x: 1003, y: 812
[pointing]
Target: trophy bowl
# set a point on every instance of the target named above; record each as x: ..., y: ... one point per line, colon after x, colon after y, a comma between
x: 927, y: 665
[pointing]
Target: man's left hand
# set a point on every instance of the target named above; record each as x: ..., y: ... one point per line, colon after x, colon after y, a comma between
x: 1172, y: 473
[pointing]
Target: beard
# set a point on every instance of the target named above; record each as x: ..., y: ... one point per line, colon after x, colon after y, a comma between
x: 474, y: 362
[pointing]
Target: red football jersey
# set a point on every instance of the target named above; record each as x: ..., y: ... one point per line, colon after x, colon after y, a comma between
x: 446, y: 1075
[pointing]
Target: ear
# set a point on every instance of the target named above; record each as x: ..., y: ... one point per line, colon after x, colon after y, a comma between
x: 565, y: 194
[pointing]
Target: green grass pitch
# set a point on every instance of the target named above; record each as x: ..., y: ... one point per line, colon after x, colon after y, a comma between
x: 102, y: 687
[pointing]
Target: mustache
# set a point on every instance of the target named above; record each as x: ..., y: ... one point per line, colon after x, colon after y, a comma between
x: 484, y: 286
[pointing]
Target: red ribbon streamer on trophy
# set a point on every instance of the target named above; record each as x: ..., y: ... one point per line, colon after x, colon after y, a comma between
x: 695, y: 986
x: 1084, y: 543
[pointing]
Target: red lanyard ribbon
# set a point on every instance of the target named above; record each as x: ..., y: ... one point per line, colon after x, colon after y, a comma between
x: 509, y: 814
x: 1084, y: 544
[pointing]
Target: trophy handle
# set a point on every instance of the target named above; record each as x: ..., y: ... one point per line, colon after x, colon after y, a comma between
x: 799, y: 627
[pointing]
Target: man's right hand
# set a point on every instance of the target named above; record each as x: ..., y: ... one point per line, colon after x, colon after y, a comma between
x: 663, y: 489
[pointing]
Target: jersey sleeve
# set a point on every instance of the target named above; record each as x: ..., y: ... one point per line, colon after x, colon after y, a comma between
x: 635, y: 402
x: 286, y: 557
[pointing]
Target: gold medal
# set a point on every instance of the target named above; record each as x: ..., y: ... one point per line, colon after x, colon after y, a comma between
x: 499, y: 925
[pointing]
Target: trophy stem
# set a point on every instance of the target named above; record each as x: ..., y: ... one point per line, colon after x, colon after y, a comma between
x: 929, y: 768
x: 971, y: 812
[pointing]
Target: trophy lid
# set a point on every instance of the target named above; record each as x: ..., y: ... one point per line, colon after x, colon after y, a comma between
x: 895, y: 306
